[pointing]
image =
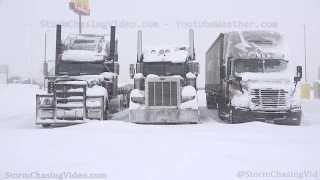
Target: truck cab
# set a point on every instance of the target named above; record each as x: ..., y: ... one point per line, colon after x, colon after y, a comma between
x: 253, y: 79
x: 165, y: 84
x: 85, y: 84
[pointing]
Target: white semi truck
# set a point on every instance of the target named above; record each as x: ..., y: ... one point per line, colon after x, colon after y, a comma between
x: 165, y: 84
x: 248, y: 78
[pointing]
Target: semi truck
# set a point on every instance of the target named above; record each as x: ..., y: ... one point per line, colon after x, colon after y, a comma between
x: 85, y: 84
x: 165, y: 84
x: 249, y: 78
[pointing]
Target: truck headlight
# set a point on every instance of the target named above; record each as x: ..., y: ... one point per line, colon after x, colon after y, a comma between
x: 46, y: 101
x: 187, y: 98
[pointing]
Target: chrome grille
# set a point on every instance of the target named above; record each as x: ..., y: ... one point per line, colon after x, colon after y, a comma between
x: 162, y: 93
x: 269, y: 98
x: 69, y: 96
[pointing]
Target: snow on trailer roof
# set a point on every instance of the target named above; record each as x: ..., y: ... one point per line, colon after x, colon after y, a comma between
x: 170, y: 53
x: 256, y: 44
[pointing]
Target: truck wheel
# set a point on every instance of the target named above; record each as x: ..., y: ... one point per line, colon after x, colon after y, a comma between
x: 220, y: 113
x: 46, y: 125
x: 106, y: 111
x: 231, y: 117
x: 211, y: 105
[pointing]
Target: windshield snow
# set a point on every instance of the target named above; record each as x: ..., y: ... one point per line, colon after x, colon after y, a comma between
x: 259, y: 65
x: 90, y: 43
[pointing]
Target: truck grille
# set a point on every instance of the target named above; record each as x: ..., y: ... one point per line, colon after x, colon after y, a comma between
x: 69, y: 94
x: 269, y: 98
x: 162, y: 93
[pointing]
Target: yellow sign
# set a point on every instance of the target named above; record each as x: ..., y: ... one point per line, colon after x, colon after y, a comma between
x: 80, y: 6
x: 83, y: 3
x: 305, y: 91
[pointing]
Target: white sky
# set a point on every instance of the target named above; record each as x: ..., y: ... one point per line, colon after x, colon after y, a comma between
x: 290, y: 16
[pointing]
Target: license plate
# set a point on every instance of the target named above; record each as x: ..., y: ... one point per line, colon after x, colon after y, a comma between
x: 270, y: 121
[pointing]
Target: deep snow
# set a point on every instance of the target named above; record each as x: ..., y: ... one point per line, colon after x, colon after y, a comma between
x: 209, y: 150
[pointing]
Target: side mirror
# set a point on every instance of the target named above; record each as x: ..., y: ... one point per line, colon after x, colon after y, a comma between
x: 131, y: 71
x: 196, y: 68
x: 299, y: 71
x: 222, y: 72
x: 45, y: 68
x: 238, y: 78
x: 116, y: 68
x: 299, y: 74
x: 296, y: 79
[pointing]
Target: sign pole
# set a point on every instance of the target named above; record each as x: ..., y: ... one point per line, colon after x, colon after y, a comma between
x: 80, y: 24
x: 305, y: 55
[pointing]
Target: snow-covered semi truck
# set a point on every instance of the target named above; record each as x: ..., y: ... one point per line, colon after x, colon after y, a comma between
x: 85, y: 84
x: 249, y: 78
x: 165, y: 84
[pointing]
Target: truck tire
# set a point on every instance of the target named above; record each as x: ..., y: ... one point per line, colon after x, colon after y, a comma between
x: 220, y: 113
x: 46, y: 125
x: 106, y: 111
x: 211, y: 101
x: 211, y: 105
x: 230, y: 118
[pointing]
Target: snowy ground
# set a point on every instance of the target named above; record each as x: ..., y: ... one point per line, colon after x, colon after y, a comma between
x: 209, y: 150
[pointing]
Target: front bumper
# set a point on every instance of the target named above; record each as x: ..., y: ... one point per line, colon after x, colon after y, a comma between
x: 277, y: 117
x: 164, y: 116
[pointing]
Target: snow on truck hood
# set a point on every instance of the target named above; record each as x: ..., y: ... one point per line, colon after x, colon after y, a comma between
x: 79, y: 79
x: 267, y: 80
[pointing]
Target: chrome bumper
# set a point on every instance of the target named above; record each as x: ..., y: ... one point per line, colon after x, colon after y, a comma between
x: 164, y: 116
x: 51, y: 114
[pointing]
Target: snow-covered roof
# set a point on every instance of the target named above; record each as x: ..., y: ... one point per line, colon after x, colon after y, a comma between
x: 109, y: 75
x: 138, y: 76
x: 171, y: 53
x: 190, y: 75
x: 255, y: 43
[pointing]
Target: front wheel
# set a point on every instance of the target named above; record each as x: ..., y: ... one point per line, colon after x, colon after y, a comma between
x: 106, y: 111
x: 46, y: 125
x: 220, y: 112
x: 230, y: 118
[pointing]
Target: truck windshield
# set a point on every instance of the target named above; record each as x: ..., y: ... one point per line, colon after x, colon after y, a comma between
x: 259, y: 65
x: 83, y: 42
x: 165, y: 69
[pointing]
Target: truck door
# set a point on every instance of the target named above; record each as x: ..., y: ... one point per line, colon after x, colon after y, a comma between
x: 225, y: 85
